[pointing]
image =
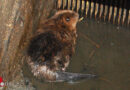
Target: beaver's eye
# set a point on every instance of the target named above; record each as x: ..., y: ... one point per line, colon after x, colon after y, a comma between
x: 67, y: 19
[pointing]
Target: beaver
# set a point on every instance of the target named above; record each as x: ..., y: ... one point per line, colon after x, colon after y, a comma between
x: 53, y: 45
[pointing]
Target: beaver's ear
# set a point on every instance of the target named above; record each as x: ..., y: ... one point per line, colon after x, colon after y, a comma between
x: 60, y: 19
x: 60, y: 22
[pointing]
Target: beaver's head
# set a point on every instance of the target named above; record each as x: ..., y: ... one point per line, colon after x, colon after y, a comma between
x: 66, y: 18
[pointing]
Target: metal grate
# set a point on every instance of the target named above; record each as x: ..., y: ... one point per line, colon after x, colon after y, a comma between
x: 115, y: 11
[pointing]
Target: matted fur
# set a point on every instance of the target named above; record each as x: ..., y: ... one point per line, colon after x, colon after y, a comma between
x: 53, y: 44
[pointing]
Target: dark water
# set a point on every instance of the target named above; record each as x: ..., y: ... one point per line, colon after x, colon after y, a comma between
x: 102, y: 49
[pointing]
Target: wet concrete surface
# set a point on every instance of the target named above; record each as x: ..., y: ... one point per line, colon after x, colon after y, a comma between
x: 102, y: 49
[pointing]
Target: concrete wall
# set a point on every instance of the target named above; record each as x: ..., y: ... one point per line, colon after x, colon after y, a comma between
x: 18, y: 21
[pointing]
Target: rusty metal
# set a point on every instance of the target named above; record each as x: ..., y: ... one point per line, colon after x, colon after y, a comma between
x: 115, y: 11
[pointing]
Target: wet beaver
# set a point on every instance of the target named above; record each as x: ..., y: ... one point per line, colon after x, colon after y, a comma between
x: 53, y: 45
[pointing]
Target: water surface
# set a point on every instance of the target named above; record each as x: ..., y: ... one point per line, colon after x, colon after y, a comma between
x: 102, y: 49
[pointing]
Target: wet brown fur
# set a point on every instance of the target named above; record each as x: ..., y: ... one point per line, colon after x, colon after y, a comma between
x: 54, y: 42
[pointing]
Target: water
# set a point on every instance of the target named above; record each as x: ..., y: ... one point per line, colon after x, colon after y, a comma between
x: 102, y: 49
